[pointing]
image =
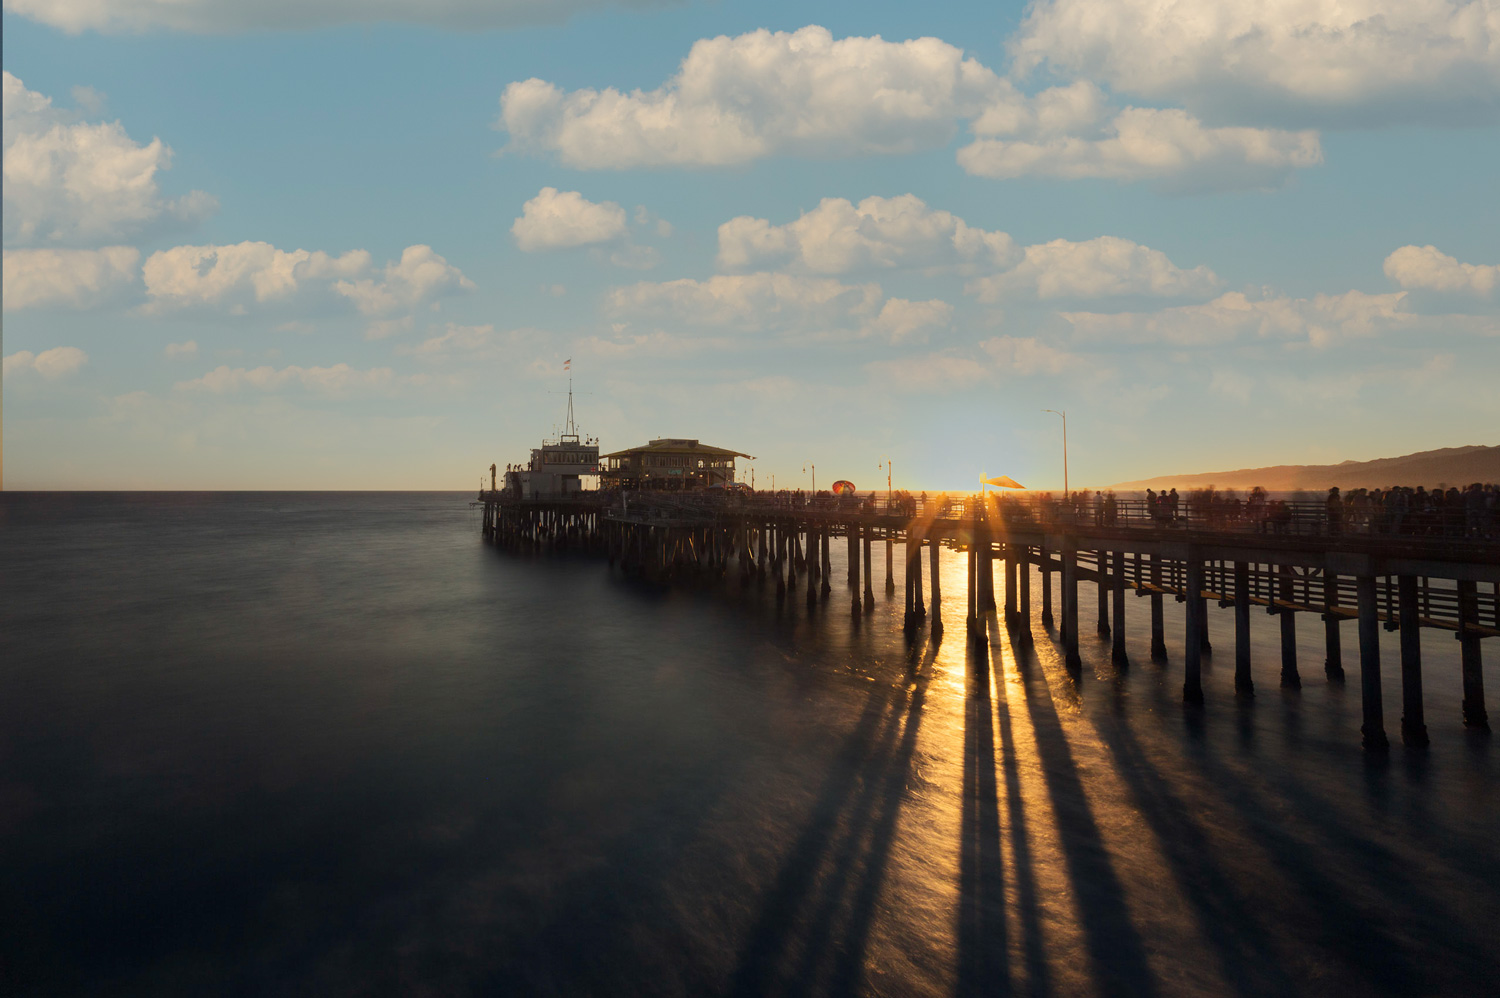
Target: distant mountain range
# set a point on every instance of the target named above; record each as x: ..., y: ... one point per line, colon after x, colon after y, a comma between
x: 1447, y: 466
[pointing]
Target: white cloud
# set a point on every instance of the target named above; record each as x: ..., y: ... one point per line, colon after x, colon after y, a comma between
x: 453, y: 340
x: 1026, y: 355
x: 1097, y: 268
x: 928, y: 373
x: 419, y: 277
x: 212, y: 275
x: 1067, y: 132
x: 900, y: 319
x: 175, y: 351
x: 72, y: 278
x: 999, y: 357
x: 224, y: 16
x: 1428, y: 269
x: 1329, y: 61
x: 54, y: 363
x: 750, y: 301
x: 339, y: 379
x: 561, y: 219
x: 1321, y: 321
x: 70, y: 182
x: 838, y: 237
x: 734, y: 100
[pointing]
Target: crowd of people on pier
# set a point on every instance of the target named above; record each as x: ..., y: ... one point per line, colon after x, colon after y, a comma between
x: 1472, y: 512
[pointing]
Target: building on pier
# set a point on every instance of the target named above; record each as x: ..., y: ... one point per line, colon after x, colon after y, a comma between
x: 670, y: 464
x: 559, y: 466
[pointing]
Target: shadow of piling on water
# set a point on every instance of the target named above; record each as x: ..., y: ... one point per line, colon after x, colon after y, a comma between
x: 813, y: 926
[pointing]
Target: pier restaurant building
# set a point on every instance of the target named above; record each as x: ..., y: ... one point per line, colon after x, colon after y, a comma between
x: 669, y: 464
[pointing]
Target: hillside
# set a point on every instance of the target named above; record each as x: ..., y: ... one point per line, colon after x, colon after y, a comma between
x: 1446, y: 466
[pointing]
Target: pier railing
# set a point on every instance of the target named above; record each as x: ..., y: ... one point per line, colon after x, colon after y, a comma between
x: 1277, y: 516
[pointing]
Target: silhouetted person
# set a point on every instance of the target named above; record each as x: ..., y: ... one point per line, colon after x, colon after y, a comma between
x: 1334, y: 505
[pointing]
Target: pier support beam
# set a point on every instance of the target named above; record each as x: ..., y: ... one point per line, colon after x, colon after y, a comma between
x: 1070, y: 607
x: 1023, y: 619
x: 890, y: 564
x: 869, y: 571
x: 827, y: 562
x: 1290, y: 677
x: 1044, y: 562
x: 1101, y: 562
x: 1333, y: 656
x: 1244, y: 685
x: 1011, y: 582
x: 933, y: 543
x: 1413, y: 724
x: 1475, y: 715
x: 1373, y: 728
x: 1158, y: 620
x: 1117, y: 587
x: 972, y: 564
x: 1192, y: 676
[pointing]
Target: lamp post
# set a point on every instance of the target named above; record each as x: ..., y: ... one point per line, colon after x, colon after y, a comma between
x: 1064, y: 414
x: 814, y: 468
x: 886, y: 464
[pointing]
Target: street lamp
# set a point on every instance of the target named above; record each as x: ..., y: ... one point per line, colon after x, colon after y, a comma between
x: 814, y: 468
x: 886, y: 464
x: 1064, y: 414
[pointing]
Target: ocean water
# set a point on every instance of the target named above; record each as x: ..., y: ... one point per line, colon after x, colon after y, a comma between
x: 330, y: 744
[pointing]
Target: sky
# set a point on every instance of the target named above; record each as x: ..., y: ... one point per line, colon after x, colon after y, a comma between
x: 334, y: 244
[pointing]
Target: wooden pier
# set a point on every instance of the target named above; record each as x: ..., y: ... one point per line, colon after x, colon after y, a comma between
x: 1298, y: 565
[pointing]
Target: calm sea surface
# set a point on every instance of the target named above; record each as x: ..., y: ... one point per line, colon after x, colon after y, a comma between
x: 329, y: 744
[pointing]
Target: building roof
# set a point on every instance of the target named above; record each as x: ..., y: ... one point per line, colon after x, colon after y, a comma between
x: 677, y: 445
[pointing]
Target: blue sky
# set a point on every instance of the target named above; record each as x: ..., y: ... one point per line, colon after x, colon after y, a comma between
x: 371, y: 233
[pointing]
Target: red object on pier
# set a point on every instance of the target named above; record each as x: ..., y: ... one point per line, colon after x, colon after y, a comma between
x: 842, y: 486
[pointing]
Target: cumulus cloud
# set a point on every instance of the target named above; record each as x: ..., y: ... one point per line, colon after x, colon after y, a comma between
x: 839, y: 237
x: 456, y: 340
x: 1427, y: 268
x: 1348, y: 61
x: 420, y: 276
x: 1098, y: 268
x: 900, y: 319
x: 562, y: 219
x: 224, y: 16
x: 1321, y: 321
x: 1026, y: 355
x: 54, y: 363
x: 177, y: 351
x: 71, y: 182
x: 749, y: 301
x: 734, y: 100
x: 211, y: 275
x: 71, y: 278
x: 340, y: 379
x: 1168, y: 146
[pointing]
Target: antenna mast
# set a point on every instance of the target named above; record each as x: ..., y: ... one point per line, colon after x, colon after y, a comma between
x: 572, y: 430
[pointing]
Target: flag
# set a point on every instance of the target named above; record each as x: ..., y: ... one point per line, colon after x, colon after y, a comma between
x: 568, y: 364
